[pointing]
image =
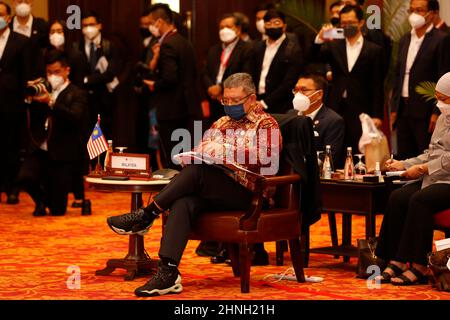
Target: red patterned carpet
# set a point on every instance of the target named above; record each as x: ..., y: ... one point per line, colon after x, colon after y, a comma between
x: 35, y: 254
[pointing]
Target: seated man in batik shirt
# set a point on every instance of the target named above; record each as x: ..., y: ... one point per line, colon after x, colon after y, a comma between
x: 244, y: 144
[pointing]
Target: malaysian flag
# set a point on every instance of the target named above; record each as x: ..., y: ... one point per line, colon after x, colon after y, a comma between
x: 97, y: 143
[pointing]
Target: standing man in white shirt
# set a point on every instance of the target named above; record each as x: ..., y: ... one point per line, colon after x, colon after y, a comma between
x: 423, y: 56
x: 357, y: 67
x: 279, y: 62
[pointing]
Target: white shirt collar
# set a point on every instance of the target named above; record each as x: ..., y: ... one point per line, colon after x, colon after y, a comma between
x: 358, y: 42
x: 97, y: 40
x: 231, y: 45
x: 314, y: 114
x: 56, y: 93
x: 277, y: 43
x: 414, y: 33
x: 26, y: 29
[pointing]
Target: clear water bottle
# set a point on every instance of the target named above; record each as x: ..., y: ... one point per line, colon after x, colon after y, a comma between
x: 327, y: 168
x: 349, y: 169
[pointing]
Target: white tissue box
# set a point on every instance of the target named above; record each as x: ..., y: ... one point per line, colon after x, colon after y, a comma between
x: 442, y: 244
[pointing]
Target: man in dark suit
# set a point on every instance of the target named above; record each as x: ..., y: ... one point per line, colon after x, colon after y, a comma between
x: 423, y: 56
x: 376, y: 36
x: 231, y: 56
x: 438, y: 22
x: 329, y: 127
x: 36, y: 29
x: 175, y: 95
x: 278, y: 64
x: 59, y: 143
x: 101, y: 68
x: 357, y: 66
x: 14, y: 73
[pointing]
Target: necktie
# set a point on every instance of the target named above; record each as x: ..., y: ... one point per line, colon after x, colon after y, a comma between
x: 93, y: 57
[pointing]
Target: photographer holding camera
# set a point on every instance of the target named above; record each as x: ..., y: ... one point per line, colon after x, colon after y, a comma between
x: 58, y: 143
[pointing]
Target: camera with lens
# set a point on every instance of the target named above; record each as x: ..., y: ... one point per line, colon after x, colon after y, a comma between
x: 142, y: 72
x: 39, y: 87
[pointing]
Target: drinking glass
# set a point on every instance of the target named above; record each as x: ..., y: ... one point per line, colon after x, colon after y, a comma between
x: 360, y: 167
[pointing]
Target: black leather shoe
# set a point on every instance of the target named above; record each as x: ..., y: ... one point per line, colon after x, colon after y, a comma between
x: 12, y: 199
x: 86, y: 210
x: 260, y: 258
x: 39, y: 211
x: 222, y: 257
x: 208, y: 249
x: 77, y: 204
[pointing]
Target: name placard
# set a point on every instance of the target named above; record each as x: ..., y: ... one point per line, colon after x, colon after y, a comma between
x: 131, y: 165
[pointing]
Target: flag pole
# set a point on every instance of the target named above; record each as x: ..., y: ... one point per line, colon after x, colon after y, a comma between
x: 98, y: 168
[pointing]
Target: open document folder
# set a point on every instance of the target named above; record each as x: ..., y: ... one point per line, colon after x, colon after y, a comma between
x: 193, y: 157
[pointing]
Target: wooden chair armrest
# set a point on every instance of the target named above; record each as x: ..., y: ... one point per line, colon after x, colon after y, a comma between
x: 249, y: 221
x: 281, y: 180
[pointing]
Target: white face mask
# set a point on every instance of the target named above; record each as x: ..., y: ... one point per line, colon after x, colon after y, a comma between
x: 416, y: 21
x: 57, y: 40
x: 91, y: 32
x: 55, y: 81
x: 444, y: 108
x: 154, y: 30
x: 227, y: 35
x: 301, y: 102
x: 23, y: 10
x: 260, y: 26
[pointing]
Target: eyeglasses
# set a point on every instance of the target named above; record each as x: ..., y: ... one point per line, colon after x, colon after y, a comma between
x: 303, y: 90
x: 275, y: 23
x: 234, y: 102
x: 418, y: 10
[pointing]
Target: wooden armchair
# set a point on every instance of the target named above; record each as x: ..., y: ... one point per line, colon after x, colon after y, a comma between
x: 240, y: 230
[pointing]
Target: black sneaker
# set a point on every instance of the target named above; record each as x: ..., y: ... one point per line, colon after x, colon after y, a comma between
x: 132, y: 223
x: 167, y: 280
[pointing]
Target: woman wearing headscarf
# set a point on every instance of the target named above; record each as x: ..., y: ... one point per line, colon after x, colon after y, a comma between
x: 406, y: 234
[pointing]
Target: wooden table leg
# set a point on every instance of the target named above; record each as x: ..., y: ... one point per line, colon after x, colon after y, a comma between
x: 370, y: 225
x: 346, y: 232
x: 333, y: 230
x: 137, y: 262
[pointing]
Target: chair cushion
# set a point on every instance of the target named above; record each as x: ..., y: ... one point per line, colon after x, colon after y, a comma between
x: 442, y: 219
x: 273, y: 225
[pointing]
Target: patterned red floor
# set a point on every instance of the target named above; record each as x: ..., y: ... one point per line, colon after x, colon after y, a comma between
x: 35, y: 254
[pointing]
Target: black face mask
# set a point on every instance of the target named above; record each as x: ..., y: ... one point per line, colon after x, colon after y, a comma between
x: 350, y: 31
x: 335, y: 21
x: 274, y: 33
x: 145, y: 33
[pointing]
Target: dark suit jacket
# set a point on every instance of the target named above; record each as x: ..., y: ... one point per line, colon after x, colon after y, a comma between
x: 432, y: 61
x: 14, y: 72
x: 364, y: 84
x: 175, y: 96
x: 283, y: 74
x: 385, y: 42
x: 330, y: 129
x: 300, y: 152
x: 68, y: 132
x: 38, y: 42
x: 97, y: 80
x: 241, y: 60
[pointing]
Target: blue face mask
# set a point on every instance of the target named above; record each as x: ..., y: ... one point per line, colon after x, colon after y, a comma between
x: 3, y: 23
x: 236, y: 112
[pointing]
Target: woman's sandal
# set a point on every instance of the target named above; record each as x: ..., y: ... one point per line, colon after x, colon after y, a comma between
x: 386, y: 277
x: 421, y: 278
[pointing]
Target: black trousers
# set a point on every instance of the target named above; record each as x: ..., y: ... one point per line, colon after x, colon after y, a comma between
x: 196, y: 189
x: 47, y: 182
x: 407, y: 231
x: 353, y: 131
x: 11, y: 131
x: 413, y: 137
